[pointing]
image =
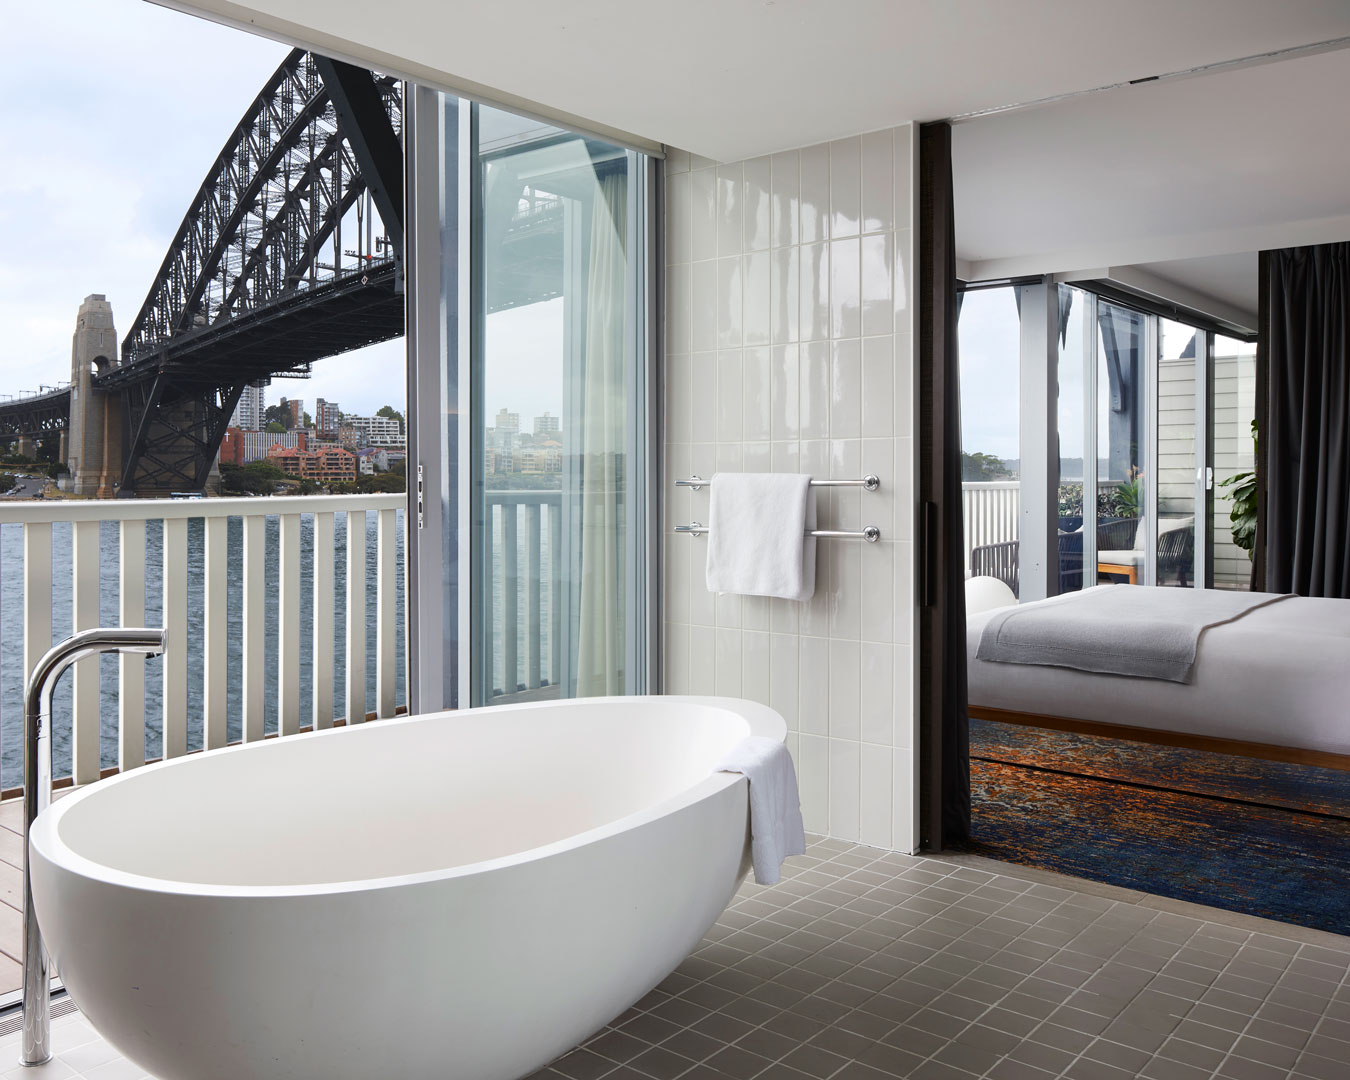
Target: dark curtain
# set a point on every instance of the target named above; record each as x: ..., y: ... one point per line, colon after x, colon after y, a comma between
x: 943, y: 723
x: 1305, y: 440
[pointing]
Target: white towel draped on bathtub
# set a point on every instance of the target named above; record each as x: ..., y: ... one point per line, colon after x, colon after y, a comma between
x: 776, y: 829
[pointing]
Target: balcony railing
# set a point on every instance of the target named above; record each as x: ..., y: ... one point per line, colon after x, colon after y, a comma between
x: 522, y: 595
x: 282, y: 614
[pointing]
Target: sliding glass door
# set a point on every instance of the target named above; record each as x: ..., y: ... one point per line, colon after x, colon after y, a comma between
x: 533, y: 442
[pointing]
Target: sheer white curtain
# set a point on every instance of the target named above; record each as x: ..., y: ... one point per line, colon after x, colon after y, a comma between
x: 601, y: 621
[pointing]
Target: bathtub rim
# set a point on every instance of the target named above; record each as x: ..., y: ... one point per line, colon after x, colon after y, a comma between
x: 45, y: 842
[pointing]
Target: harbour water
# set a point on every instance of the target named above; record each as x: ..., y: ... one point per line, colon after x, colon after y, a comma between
x: 11, y: 634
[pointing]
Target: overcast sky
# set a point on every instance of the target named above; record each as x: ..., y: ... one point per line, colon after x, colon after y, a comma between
x: 111, y: 113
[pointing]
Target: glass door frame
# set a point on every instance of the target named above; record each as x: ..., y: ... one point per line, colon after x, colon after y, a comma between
x: 445, y: 401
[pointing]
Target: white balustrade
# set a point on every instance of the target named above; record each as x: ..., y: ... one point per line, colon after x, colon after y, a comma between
x: 522, y: 645
x: 180, y: 584
x: 990, y: 511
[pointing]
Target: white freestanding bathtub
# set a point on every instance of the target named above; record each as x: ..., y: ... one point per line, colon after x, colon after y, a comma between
x: 460, y: 895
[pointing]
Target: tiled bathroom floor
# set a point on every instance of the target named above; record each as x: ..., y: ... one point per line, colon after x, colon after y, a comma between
x: 865, y: 964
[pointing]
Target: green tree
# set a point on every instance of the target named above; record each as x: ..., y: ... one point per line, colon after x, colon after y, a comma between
x: 978, y: 468
x: 276, y: 427
x: 391, y: 413
x: 256, y: 478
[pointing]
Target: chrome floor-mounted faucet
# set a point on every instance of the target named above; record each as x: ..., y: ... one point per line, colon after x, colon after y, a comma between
x: 37, y: 796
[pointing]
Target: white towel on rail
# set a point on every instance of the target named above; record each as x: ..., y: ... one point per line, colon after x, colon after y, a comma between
x: 756, y: 541
x: 776, y: 829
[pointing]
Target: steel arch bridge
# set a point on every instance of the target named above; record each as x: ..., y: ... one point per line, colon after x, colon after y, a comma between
x: 245, y: 291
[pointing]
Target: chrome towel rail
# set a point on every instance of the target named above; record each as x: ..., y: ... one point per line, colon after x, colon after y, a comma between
x: 870, y: 533
x: 870, y: 482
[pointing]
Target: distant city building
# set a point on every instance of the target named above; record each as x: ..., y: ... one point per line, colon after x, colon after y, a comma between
x: 508, y: 423
x: 294, y: 411
x: 248, y: 414
x: 328, y: 464
x: 349, y: 436
x: 326, y: 417
x: 375, y: 431
x: 543, y: 457
x: 240, y: 447
x: 547, y: 425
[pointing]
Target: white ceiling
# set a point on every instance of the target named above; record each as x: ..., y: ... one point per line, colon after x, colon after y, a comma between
x: 731, y: 79
x: 1229, y: 279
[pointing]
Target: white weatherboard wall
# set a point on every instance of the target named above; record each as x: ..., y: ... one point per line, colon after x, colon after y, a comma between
x: 789, y: 323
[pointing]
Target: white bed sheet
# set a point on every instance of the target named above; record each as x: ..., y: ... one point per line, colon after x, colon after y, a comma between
x: 1280, y: 675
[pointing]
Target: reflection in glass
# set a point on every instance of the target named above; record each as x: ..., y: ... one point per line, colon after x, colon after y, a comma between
x: 1070, y: 409
x: 1234, y: 462
x: 1181, y: 351
x: 989, y: 340
x: 1121, y: 404
x: 552, y: 419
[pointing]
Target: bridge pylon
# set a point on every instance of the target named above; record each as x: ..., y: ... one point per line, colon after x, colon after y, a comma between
x: 94, y: 437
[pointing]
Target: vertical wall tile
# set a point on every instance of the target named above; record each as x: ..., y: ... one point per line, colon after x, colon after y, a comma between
x: 815, y: 390
x: 903, y: 626
x: 730, y: 376
x: 845, y: 588
x: 876, y: 269
x: 755, y: 677
x: 845, y: 295
x: 877, y: 695
x: 846, y: 389
x: 845, y: 187
x: 784, y: 295
x: 756, y: 276
x: 902, y: 686
x: 877, y: 569
x: 677, y: 658
x: 704, y: 319
x: 904, y: 384
x: 904, y: 187
x: 730, y: 193
x: 813, y: 308
x: 677, y: 160
x: 727, y: 663
x: 679, y: 389
x: 730, y: 457
x: 902, y: 276
x: 813, y: 685
x: 702, y: 651
x: 878, y: 391
x: 701, y: 609
x: 786, y: 202
x: 680, y: 308
x: 815, y: 194
x: 730, y: 300
x: 878, y: 182
x: 903, y: 810
x: 727, y: 610
x: 844, y: 793
x: 813, y: 780
x: 703, y: 214
x: 703, y: 389
x: 758, y: 458
x: 758, y: 213
x: 904, y: 485
x: 755, y: 609
x: 875, y: 803
x: 844, y: 686
x: 783, y: 676
x: 757, y: 395
x: 679, y: 218
x: 878, y: 507
x: 785, y: 391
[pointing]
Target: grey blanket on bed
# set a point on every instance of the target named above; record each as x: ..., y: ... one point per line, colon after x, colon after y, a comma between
x: 1149, y: 633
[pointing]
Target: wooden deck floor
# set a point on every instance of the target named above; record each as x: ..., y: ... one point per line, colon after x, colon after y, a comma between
x: 11, y: 895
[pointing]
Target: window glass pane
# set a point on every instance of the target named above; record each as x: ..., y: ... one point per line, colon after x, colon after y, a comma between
x: 1071, y: 514
x: 1177, y: 363
x: 554, y: 364
x: 1121, y: 404
x: 1234, y: 461
x: 989, y: 336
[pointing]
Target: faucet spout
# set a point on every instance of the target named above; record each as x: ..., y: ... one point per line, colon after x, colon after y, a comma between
x: 37, y: 796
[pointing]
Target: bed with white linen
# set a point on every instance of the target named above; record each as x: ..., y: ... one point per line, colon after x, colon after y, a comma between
x: 1274, y: 683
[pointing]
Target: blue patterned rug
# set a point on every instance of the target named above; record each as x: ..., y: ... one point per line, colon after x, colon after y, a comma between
x: 1259, y: 837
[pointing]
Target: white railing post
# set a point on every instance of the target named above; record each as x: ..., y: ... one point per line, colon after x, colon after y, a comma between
x: 510, y: 598
x: 131, y: 669
x: 356, y: 616
x: 288, y: 625
x: 255, y: 626
x: 84, y: 550
x: 533, y: 623
x: 322, y: 663
x: 174, y: 660
x: 37, y: 594
x: 215, y: 674
x: 385, y: 612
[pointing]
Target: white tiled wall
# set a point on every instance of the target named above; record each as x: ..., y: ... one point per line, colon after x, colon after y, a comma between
x: 789, y: 304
